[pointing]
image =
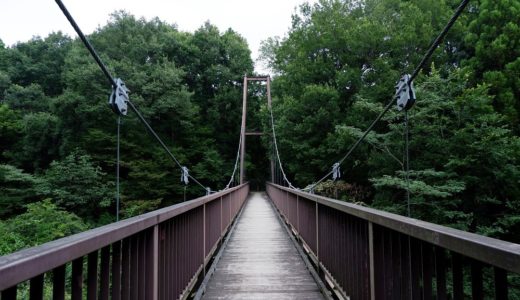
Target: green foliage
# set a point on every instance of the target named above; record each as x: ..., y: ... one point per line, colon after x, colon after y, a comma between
x: 58, y: 136
x: 42, y: 222
x: 494, y: 43
x: 16, y: 190
x: 39, y: 61
x: 26, y: 99
x: 137, y: 207
x: 464, y: 146
x: 37, y: 145
x: 343, y: 190
x: 10, y: 129
x: 75, y: 184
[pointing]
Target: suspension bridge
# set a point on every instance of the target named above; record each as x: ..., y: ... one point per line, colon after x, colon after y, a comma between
x: 284, y: 243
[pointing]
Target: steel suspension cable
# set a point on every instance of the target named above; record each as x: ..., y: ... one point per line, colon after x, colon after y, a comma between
x: 118, y: 158
x: 415, y: 73
x: 112, y: 81
x: 236, y: 163
x: 277, y: 152
x: 407, y: 165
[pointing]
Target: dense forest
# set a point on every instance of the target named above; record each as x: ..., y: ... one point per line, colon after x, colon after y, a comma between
x: 332, y: 74
x: 58, y: 135
x: 336, y: 70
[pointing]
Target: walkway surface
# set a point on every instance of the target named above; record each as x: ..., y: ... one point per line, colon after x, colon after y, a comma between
x: 260, y: 261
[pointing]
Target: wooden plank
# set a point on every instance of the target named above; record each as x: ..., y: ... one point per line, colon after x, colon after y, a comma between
x: 260, y: 261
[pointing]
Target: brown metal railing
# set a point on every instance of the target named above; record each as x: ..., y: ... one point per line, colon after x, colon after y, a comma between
x: 158, y: 255
x: 370, y: 254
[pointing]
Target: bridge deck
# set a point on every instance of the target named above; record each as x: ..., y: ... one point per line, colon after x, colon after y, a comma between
x: 260, y: 261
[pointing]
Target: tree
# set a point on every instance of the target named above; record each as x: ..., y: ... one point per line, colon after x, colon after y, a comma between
x: 493, y: 44
x: 38, y: 144
x: 39, y: 61
x: 10, y: 129
x: 464, y: 164
x: 357, y: 49
x: 78, y: 186
x: 17, y: 189
x: 26, y: 99
x: 43, y: 222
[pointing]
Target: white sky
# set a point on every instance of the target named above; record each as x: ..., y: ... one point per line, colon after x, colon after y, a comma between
x: 20, y: 20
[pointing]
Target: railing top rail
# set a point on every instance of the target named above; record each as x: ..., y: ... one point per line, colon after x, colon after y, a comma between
x: 27, y: 263
x: 495, y: 252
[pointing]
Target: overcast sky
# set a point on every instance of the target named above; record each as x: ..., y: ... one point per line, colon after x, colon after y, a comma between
x: 20, y: 20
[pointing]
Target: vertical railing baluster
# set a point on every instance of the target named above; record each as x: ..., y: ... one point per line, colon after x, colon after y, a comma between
x: 204, y: 237
x: 477, y: 292
x: 415, y: 261
x: 440, y: 273
x: 58, y: 283
x: 298, y: 213
x: 141, y: 264
x: 427, y: 270
x: 152, y: 264
x: 501, y: 288
x: 406, y: 267
x: 10, y: 293
x: 397, y: 265
x: 388, y: 264
x: 92, y: 275
x: 379, y: 262
x: 458, y: 278
x: 221, y: 220
x: 116, y: 271
x: 134, y: 265
x: 125, y: 266
x: 36, y: 287
x: 317, y: 235
x: 77, y: 279
x: 104, y: 274
x: 385, y: 260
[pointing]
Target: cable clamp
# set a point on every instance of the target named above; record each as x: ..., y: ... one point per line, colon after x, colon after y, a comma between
x: 118, y: 100
x: 336, y: 171
x: 405, y: 93
x: 185, y: 175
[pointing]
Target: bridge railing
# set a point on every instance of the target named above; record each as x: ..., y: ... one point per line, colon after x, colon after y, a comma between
x: 157, y: 255
x: 370, y: 254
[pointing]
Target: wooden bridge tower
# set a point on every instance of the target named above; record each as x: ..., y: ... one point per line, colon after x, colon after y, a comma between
x: 243, y: 130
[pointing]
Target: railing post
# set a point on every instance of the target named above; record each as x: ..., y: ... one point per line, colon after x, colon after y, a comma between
x: 317, y: 237
x: 371, y: 260
x: 221, y: 221
x: 155, y: 254
x: 298, y: 213
x: 204, y: 238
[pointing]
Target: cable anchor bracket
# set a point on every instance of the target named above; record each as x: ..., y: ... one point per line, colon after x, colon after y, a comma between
x: 405, y: 93
x: 185, y: 175
x: 118, y: 100
x: 336, y: 171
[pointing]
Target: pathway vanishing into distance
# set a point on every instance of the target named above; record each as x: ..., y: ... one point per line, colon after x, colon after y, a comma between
x: 260, y: 261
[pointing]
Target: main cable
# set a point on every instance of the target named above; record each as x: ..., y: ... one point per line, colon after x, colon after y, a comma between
x: 415, y: 73
x: 112, y: 81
